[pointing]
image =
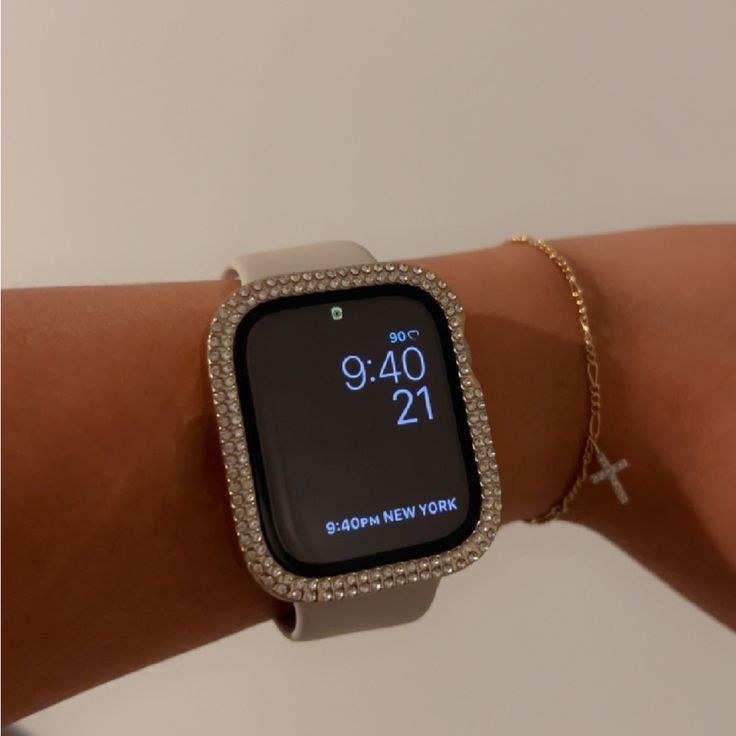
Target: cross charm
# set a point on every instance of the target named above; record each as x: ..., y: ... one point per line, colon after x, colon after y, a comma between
x: 609, y: 472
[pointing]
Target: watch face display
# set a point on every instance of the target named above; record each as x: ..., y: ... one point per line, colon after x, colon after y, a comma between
x: 356, y: 428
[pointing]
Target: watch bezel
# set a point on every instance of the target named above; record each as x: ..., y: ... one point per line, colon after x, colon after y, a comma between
x: 245, y: 503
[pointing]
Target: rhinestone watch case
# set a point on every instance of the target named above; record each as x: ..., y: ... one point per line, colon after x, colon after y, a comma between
x: 267, y: 571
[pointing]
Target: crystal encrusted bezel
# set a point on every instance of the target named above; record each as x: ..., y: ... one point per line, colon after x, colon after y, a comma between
x: 275, y: 579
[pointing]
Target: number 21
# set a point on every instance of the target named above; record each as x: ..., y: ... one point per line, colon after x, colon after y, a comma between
x: 409, y: 396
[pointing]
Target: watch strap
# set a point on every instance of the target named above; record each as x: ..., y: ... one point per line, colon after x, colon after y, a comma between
x: 312, y: 257
x: 400, y: 605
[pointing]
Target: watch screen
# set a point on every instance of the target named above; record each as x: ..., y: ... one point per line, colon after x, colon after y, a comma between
x: 356, y: 428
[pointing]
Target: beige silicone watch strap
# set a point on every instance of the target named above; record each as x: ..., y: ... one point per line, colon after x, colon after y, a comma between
x: 387, y: 608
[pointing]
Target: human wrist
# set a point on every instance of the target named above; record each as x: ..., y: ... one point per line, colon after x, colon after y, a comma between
x: 527, y: 355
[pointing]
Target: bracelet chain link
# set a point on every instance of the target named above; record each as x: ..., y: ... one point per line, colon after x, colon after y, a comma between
x: 590, y: 448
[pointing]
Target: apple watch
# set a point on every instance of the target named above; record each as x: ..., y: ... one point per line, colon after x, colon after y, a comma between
x: 359, y: 461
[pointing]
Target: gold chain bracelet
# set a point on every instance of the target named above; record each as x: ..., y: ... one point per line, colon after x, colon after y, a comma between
x: 608, y: 471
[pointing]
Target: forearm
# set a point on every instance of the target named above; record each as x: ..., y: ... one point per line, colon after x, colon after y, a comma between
x: 117, y: 544
x: 117, y: 548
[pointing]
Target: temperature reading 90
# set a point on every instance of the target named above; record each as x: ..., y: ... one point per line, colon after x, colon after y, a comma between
x: 403, y: 335
x: 395, y: 366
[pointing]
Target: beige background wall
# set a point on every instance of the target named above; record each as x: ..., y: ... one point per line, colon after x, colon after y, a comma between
x: 148, y: 141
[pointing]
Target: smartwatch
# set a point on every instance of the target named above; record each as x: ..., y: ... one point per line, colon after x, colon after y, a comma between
x: 359, y: 461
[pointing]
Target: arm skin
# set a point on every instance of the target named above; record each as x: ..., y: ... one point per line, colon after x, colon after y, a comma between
x: 117, y: 546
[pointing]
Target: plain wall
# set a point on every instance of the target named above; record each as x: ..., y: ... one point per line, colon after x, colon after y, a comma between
x: 152, y: 141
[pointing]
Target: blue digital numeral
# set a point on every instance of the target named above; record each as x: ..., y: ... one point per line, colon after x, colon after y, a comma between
x: 388, y: 369
x: 424, y: 391
x: 419, y: 364
x: 409, y: 397
x: 356, y: 375
x: 403, y: 419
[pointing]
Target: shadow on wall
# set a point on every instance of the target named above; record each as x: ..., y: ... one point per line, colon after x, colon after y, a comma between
x: 14, y: 730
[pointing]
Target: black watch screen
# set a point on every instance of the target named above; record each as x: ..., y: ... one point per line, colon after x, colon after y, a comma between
x: 356, y: 428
